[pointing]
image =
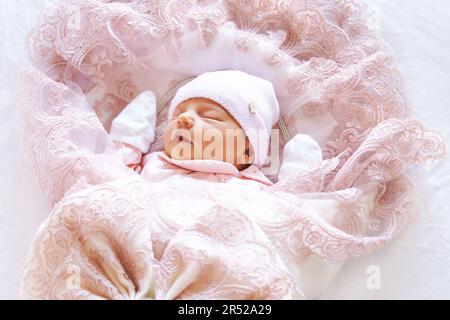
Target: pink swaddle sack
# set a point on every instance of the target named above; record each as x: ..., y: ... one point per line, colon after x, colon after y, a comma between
x: 202, y: 229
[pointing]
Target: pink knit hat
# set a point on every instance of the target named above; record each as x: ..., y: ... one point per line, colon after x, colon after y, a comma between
x: 249, y: 99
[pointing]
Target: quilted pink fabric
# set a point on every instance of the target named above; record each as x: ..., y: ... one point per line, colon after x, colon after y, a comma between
x: 113, y: 234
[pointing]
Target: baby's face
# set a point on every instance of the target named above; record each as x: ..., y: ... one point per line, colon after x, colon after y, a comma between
x: 202, y: 129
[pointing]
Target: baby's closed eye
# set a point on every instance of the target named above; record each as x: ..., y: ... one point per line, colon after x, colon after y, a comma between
x: 212, y: 115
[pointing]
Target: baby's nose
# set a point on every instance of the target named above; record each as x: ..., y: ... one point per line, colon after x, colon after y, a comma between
x: 185, y: 121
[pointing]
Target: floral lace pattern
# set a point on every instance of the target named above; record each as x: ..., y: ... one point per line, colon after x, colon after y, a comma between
x: 108, y: 237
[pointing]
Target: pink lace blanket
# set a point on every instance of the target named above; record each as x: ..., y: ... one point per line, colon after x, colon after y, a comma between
x: 110, y: 234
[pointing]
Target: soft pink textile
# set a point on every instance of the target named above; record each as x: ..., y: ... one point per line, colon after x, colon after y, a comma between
x: 114, y: 234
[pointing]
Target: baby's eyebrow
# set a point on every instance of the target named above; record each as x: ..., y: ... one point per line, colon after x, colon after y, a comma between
x: 210, y: 107
x: 181, y: 108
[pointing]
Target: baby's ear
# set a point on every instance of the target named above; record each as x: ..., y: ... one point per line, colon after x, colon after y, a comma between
x: 249, y: 155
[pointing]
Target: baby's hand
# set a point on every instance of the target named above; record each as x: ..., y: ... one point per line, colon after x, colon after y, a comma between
x: 130, y: 155
x: 135, y: 125
x: 301, y: 153
x: 133, y: 130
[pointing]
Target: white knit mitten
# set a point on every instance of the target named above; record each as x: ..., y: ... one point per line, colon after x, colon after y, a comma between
x: 300, y: 153
x: 135, y: 125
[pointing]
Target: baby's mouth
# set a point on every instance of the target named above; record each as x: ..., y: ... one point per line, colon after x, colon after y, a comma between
x: 176, y: 136
x: 183, y: 139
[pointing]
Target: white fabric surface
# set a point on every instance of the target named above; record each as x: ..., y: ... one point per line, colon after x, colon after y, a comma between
x: 416, y: 265
x: 22, y: 205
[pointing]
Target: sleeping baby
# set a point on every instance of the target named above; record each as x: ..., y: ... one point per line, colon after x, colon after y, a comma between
x: 218, y: 130
x: 215, y: 143
x: 204, y: 222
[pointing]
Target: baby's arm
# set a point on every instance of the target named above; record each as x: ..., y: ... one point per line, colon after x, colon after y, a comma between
x: 300, y: 153
x: 133, y: 130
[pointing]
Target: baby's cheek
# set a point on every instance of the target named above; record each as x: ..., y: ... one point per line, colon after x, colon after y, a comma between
x: 166, y: 136
x: 229, y: 146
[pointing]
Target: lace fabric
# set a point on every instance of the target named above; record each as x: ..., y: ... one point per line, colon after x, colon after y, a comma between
x: 107, y: 236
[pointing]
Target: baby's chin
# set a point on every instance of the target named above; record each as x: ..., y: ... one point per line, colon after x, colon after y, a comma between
x: 189, y: 156
x: 176, y: 156
x: 174, y: 153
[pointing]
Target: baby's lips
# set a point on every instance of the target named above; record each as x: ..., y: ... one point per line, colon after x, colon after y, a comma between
x: 179, y: 135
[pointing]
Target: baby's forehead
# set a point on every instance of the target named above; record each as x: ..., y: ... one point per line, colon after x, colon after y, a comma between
x: 201, y: 103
